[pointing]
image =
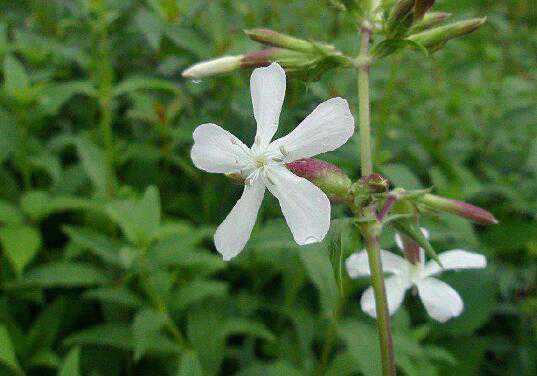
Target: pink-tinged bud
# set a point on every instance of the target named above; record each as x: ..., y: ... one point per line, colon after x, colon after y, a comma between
x: 411, y: 249
x: 288, y: 59
x: 375, y: 183
x: 275, y: 39
x: 430, y: 20
x: 213, y: 67
x: 421, y: 7
x: 434, y: 39
x: 459, y: 208
x: 330, y: 178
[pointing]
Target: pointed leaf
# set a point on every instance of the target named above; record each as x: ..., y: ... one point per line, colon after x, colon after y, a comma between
x: 7, y: 351
x: 20, y: 244
x: 71, y: 364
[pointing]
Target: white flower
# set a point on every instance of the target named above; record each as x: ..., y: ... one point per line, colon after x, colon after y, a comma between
x: 441, y: 301
x: 305, y: 207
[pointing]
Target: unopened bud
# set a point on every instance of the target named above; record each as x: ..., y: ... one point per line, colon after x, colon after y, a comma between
x: 434, y: 39
x: 213, y: 67
x: 374, y: 183
x: 430, y: 20
x: 330, y: 178
x: 400, y: 18
x: 459, y: 208
x: 421, y: 7
x: 275, y: 39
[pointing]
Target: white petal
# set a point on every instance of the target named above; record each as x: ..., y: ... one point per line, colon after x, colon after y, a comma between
x: 267, y: 86
x: 358, y: 264
x: 217, y: 150
x: 395, y: 292
x: 328, y: 127
x: 439, y: 299
x: 305, y: 207
x: 231, y: 236
x: 456, y: 259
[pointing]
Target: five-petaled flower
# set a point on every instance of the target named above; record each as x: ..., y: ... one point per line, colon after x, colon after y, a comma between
x: 305, y: 207
x: 441, y: 301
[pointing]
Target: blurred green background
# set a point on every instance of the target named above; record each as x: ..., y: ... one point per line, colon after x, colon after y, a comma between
x: 107, y: 264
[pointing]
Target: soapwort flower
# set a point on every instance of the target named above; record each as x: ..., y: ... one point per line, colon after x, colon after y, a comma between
x: 305, y: 207
x: 441, y: 301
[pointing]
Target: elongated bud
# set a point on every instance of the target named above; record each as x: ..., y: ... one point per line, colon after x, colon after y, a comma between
x: 213, y: 67
x: 400, y: 18
x: 434, y: 39
x: 330, y: 178
x: 459, y: 208
x: 430, y: 20
x: 421, y: 7
x: 275, y: 39
x: 374, y: 183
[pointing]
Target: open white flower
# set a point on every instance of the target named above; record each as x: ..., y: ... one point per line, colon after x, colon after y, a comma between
x: 305, y: 207
x: 441, y: 301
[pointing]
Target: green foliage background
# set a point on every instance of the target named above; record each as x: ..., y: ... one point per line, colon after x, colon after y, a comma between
x: 113, y: 272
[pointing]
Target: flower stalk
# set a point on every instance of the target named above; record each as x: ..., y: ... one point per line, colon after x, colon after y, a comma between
x: 371, y: 228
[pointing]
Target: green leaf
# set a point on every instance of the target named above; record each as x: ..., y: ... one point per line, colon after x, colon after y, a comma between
x: 94, y: 162
x: 56, y: 95
x: 45, y: 328
x: 114, y: 295
x: 71, y: 364
x: 44, y: 358
x: 151, y: 26
x: 189, y: 365
x: 99, y: 244
x: 362, y: 344
x: 10, y: 214
x: 16, y: 80
x: 319, y: 267
x: 7, y: 351
x: 116, y: 335
x: 10, y: 137
x: 64, y: 274
x: 20, y: 244
x: 197, y: 291
x: 38, y: 204
x: 133, y: 84
x: 145, y: 328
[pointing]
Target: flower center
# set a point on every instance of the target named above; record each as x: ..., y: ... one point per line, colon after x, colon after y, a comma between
x: 260, y: 161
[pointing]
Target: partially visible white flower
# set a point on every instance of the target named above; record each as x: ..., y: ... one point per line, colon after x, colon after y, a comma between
x: 441, y: 301
x: 305, y: 207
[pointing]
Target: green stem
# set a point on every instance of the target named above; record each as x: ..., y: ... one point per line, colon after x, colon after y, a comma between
x: 371, y: 228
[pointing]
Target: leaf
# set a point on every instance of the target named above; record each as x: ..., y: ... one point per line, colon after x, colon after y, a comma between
x: 7, y: 351
x: 189, y: 365
x: 320, y: 270
x: 64, y: 274
x: 71, y: 364
x: 197, y: 291
x: 45, y: 328
x: 114, y: 295
x: 362, y: 344
x: 140, y: 219
x: 38, y: 204
x: 99, y: 244
x: 94, y: 162
x: 20, y: 244
x: 133, y: 84
x: 44, y: 358
x: 56, y: 95
x: 151, y: 26
x: 10, y: 137
x: 116, y: 335
x: 9, y: 214
x: 274, y: 369
x: 16, y: 79
x: 145, y: 328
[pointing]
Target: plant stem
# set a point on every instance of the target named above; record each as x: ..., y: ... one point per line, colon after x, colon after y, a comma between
x: 371, y: 228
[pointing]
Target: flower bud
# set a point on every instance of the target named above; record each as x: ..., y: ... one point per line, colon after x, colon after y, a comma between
x: 213, y: 67
x: 330, y: 178
x: 430, y: 20
x: 434, y: 39
x: 375, y: 183
x: 400, y: 18
x: 275, y: 39
x: 421, y: 7
x: 459, y: 208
